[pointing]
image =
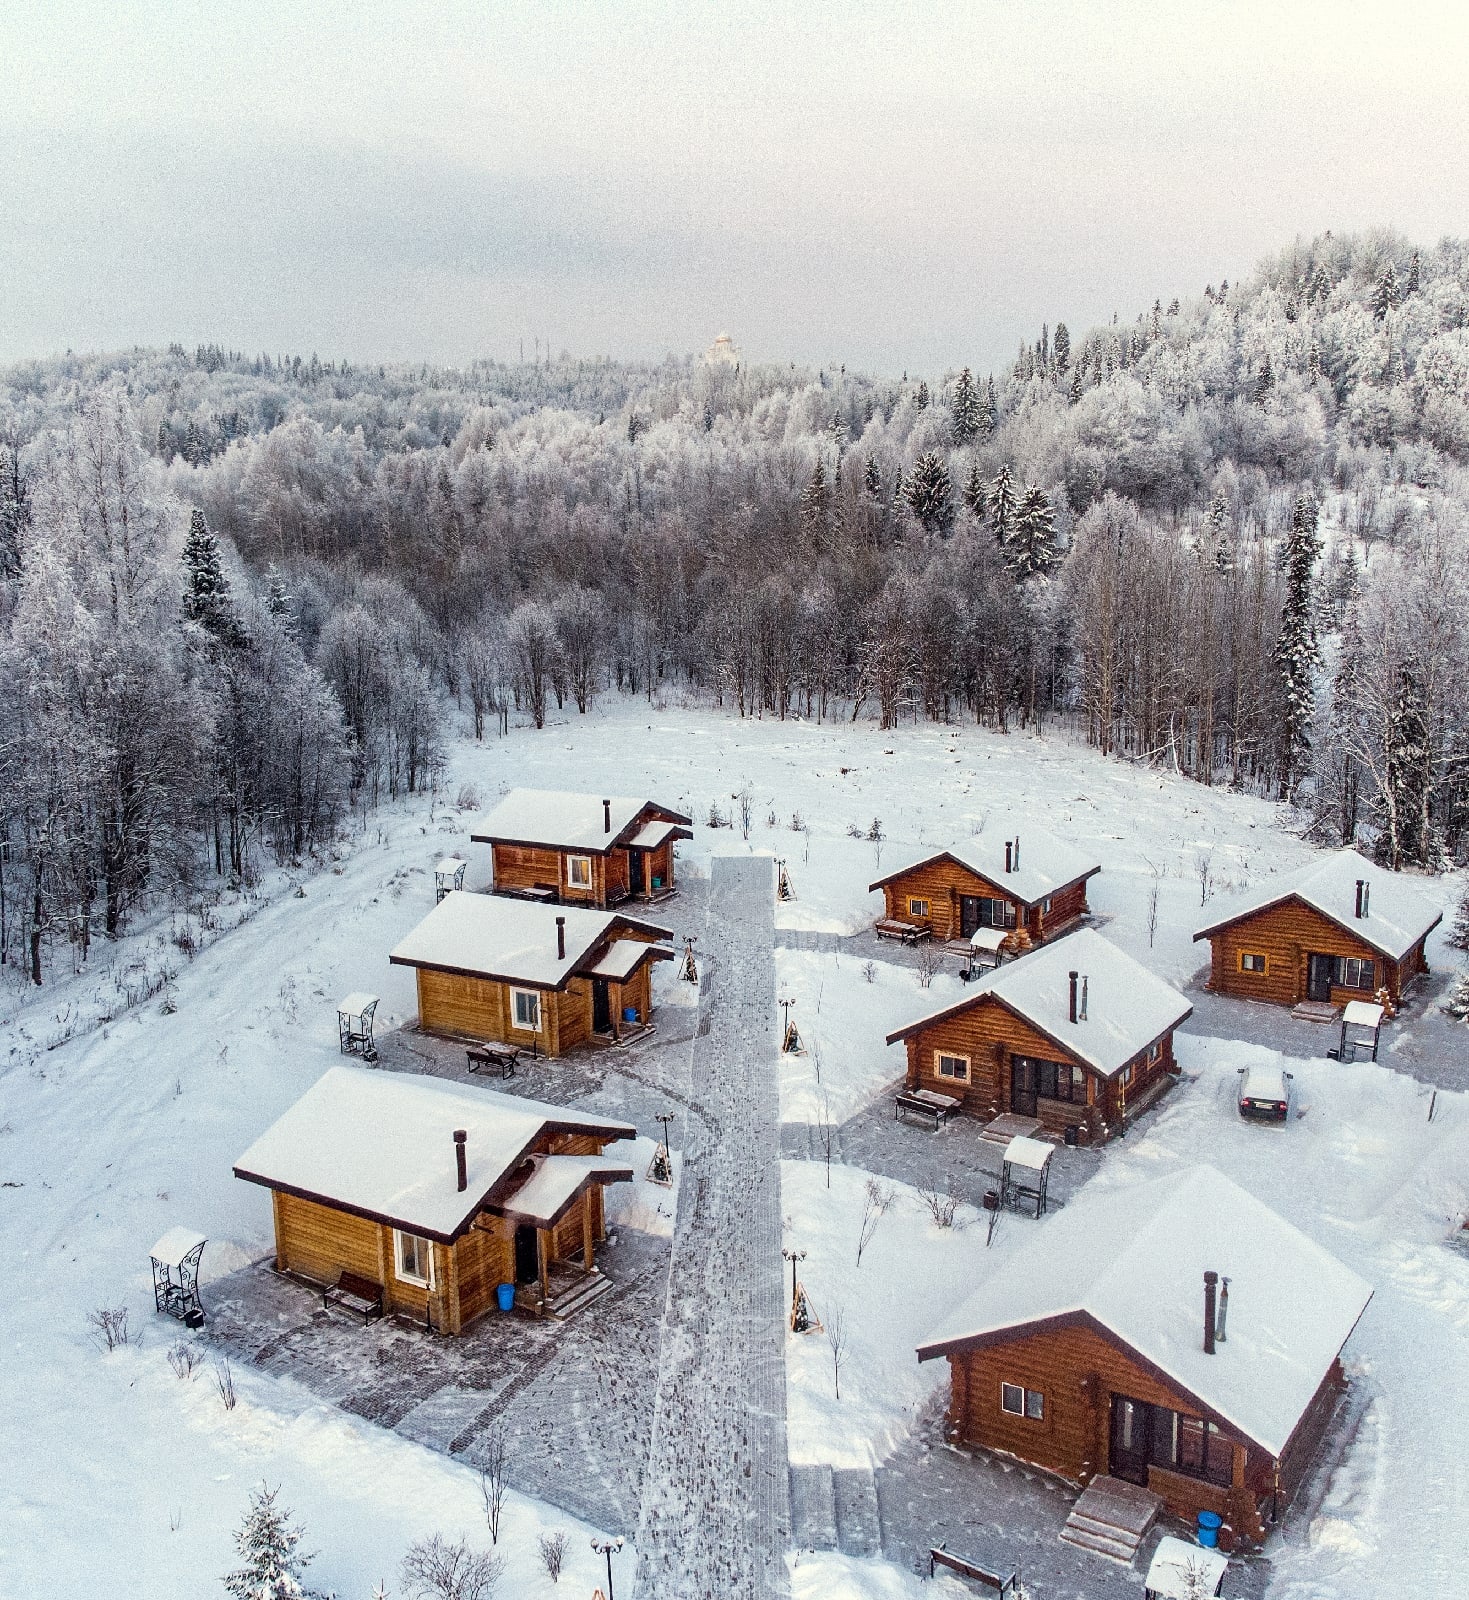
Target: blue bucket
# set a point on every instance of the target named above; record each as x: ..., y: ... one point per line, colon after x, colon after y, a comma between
x: 629, y: 1013
x: 1210, y: 1523
x: 505, y: 1294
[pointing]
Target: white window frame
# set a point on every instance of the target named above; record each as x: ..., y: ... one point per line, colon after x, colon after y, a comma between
x: 940, y: 1056
x: 575, y: 863
x: 1046, y: 906
x: 534, y: 996
x: 423, y: 1248
x: 917, y: 906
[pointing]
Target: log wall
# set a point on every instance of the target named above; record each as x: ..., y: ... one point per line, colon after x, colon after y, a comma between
x: 943, y: 883
x: 1286, y: 935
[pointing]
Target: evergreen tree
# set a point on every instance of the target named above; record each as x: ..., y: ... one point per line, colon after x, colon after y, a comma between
x: 930, y: 494
x: 989, y: 411
x: 1385, y: 295
x: 1061, y: 345
x: 1075, y: 392
x: 974, y: 495
x: 1407, y: 835
x: 269, y: 1543
x: 1456, y: 1002
x: 921, y: 398
x: 872, y: 478
x: 206, y: 589
x: 1221, y: 546
x: 964, y: 409
x: 1414, y: 275
x: 1297, y: 651
x: 1264, y: 381
x: 1313, y: 362
x: 1458, y: 934
x: 1032, y: 546
x: 14, y: 510
x: 815, y: 499
x: 1002, y: 508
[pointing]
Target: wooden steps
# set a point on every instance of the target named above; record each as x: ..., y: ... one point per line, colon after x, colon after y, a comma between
x: 1009, y: 1126
x: 566, y: 1298
x: 1112, y: 1518
x: 1315, y: 1011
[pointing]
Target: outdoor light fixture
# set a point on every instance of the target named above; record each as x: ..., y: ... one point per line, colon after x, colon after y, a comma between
x: 605, y: 1547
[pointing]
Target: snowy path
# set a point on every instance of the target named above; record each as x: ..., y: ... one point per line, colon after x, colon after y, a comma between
x: 716, y: 1513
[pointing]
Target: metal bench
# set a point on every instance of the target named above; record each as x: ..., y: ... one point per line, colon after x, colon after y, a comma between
x: 492, y: 1058
x: 1001, y: 1580
x: 904, y: 932
x: 929, y: 1103
x: 356, y: 1294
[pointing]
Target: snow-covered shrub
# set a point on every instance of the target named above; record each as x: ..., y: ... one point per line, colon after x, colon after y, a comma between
x: 183, y: 1358
x: 224, y: 1381
x: 1456, y: 1002
x: 109, y: 1326
x: 434, y: 1569
x: 553, y: 1553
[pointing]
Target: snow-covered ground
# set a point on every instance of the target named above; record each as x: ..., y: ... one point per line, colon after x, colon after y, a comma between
x: 129, y: 1127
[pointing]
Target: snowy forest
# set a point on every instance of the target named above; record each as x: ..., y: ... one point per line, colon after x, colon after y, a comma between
x: 244, y: 595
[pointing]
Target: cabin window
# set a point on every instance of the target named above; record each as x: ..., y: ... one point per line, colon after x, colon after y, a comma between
x: 917, y: 908
x: 1053, y: 1080
x: 1154, y: 1051
x: 995, y: 913
x: 1127, y: 1076
x: 955, y: 1067
x: 1046, y: 906
x: 1352, y: 973
x: 415, y: 1259
x: 1251, y: 961
x: 1191, y: 1445
x: 526, y: 1009
x: 579, y: 872
x: 1018, y: 1401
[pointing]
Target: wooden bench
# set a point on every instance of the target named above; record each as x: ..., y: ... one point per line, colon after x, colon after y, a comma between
x: 904, y: 932
x: 928, y: 1103
x: 1001, y: 1581
x: 357, y: 1294
x: 492, y: 1058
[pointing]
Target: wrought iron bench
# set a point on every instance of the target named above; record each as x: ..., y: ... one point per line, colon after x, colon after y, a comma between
x: 929, y: 1103
x: 354, y: 1293
x: 492, y: 1058
x: 1001, y: 1580
x: 904, y: 932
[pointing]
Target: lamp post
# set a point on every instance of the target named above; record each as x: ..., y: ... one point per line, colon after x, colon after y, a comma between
x: 605, y: 1547
x: 793, y: 1256
x: 787, y: 1005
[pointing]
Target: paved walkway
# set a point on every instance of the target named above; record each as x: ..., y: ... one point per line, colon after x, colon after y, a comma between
x: 716, y: 1506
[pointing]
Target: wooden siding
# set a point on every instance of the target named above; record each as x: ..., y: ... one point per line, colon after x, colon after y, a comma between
x: 485, y: 1258
x: 480, y: 1008
x: 942, y: 883
x: 1078, y: 1371
x: 518, y: 866
x: 1286, y: 935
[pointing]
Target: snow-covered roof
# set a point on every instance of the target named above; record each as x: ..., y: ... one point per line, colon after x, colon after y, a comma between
x: 1034, y: 1154
x: 490, y: 936
x: 563, y: 821
x: 652, y: 834
x: 449, y: 866
x: 1180, y: 1570
x: 1397, y: 915
x: 1132, y: 1260
x: 354, y: 1004
x: 382, y: 1144
x: 988, y: 939
x: 175, y: 1245
x: 1362, y: 1014
x: 556, y: 1182
x: 621, y: 958
x: 1046, y: 862
x: 1127, y: 1007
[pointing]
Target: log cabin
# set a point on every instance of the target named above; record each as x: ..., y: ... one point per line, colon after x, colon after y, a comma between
x: 436, y: 1194
x: 576, y: 849
x: 1176, y: 1334
x: 1025, y: 880
x: 1077, y: 1035
x: 1341, y: 929
x: 546, y: 979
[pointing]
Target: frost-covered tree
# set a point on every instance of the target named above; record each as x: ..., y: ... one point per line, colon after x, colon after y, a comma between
x: 930, y: 493
x: 1407, y: 833
x: 1458, y: 934
x: 1002, y: 507
x: 1032, y: 545
x: 964, y: 409
x: 816, y: 499
x: 207, y: 602
x: 1385, y: 292
x: 1297, y: 651
x: 872, y: 478
x: 1456, y: 1002
x: 269, y: 1543
x: 975, y: 499
x: 1061, y: 347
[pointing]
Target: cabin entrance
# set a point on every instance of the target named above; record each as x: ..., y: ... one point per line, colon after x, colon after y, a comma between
x: 601, y: 1007
x: 968, y: 915
x: 635, y: 872
x: 1132, y: 1428
x: 527, y: 1257
x: 1023, y: 1085
x: 1319, y: 971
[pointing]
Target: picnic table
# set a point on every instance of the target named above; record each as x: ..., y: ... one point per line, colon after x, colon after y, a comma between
x: 1003, y: 1579
x: 496, y: 1058
x: 929, y: 1103
x: 904, y: 932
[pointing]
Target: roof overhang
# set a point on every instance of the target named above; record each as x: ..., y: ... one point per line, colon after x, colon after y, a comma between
x: 995, y: 882
x: 1348, y: 925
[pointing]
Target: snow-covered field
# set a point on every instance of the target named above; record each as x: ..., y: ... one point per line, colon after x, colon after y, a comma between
x: 121, y: 1479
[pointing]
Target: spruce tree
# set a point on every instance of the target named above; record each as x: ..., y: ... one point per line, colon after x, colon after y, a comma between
x: 815, y: 500
x: 974, y: 495
x: 1458, y: 934
x: 1075, y: 391
x: 1032, y: 546
x: 269, y: 1543
x: 206, y: 589
x: 1408, y: 779
x: 921, y: 398
x: 1221, y: 546
x: 1264, y: 380
x: 1385, y: 295
x: 1297, y: 651
x: 1414, y: 275
x: 1456, y: 1001
x: 990, y: 411
x: 964, y: 409
x: 1061, y: 346
x: 930, y: 494
x: 872, y: 478
x: 1002, y: 508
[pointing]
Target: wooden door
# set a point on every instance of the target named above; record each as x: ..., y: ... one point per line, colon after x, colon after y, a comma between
x: 1132, y: 1428
x: 527, y: 1261
x: 1319, y: 971
x: 601, y: 1007
x: 1023, y: 1086
x: 968, y: 915
x: 635, y: 872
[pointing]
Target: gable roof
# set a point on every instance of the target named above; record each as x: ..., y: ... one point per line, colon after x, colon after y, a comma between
x: 1127, y: 1007
x: 1397, y: 915
x: 1132, y: 1261
x: 487, y: 936
x: 562, y: 821
x: 1046, y: 862
x: 381, y: 1144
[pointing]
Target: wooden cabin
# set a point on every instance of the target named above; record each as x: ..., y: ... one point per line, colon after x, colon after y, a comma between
x: 1339, y: 930
x: 542, y: 978
x: 575, y: 849
x: 1076, y: 1035
x: 434, y: 1194
x: 1176, y: 1334
x: 1028, y: 882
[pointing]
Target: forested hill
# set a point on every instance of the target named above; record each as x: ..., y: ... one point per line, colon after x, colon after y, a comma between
x: 1227, y: 532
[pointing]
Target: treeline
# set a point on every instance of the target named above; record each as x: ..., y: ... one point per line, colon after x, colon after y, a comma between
x: 1228, y: 536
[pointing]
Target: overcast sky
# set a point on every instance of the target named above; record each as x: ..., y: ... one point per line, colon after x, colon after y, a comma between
x: 897, y: 186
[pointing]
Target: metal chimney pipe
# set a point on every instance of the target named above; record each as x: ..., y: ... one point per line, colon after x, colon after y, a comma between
x: 1366, y: 897
x: 1008, y: 848
x: 561, y: 938
x: 1073, y: 976
x: 1085, y: 983
x: 606, y: 816
x: 1359, y: 897
x: 1210, y: 1280
x: 1017, y: 852
x: 460, y: 1135
x: 1223, y: 1316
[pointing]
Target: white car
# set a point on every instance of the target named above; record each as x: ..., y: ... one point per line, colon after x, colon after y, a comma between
x: 1265, y: 1093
